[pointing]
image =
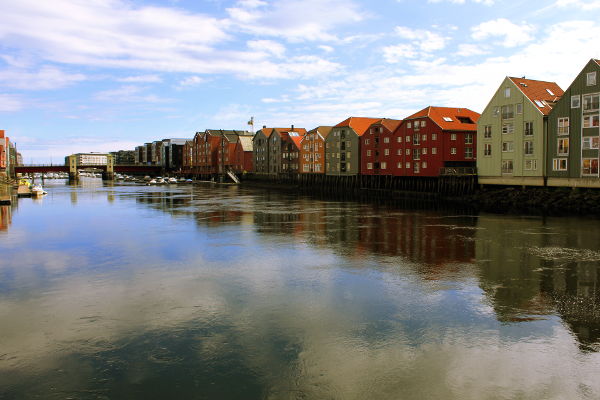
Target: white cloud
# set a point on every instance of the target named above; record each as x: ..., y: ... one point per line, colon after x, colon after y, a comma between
x: 513, y: 34
x: 117, y: 34
x: 269, y: 47
x: 485, y: 2
x: 191, y: 81
x: 9, y: 103
x: 326, y: 49
x: 282, y: 18
x: 141, y: 79
x: 467, y: 50
x: 129, y: 94
x: 581, y: 4
x: 421, y: 44
x: 47, y: 77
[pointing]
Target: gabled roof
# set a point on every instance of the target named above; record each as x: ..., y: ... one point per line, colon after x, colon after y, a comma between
x: 266, y: 131
x: 542, y: 94
x: 280, y: 131
x: 597, y: 61
x: 358, y: 124
x: 389, y: 124
x: 246, y: 143
x: 449, y: 118
x: 322, y: 130
x: 297, y: 140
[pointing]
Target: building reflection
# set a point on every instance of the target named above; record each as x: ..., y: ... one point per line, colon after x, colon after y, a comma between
x: 5, y: 217
x: 530, y: 268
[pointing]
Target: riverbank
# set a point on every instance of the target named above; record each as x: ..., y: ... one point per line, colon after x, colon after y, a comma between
x: 501, y: 200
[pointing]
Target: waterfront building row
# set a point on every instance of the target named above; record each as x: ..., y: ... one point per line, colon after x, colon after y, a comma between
x: 533, y: 133
x: 9, y: 157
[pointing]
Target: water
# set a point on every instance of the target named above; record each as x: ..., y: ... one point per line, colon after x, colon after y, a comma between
x: 216, y: 292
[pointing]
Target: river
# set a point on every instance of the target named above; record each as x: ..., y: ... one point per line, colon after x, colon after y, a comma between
x: 220, y: 292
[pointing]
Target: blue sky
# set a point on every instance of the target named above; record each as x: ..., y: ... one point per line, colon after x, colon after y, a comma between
x: 102, y: 75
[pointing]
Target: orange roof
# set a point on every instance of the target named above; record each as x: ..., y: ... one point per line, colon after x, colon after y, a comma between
x: 449, y: 119
x: 358, y: 124
x: 297, y: 140
x: 541, y: 93
x: 597, y: 61
x: 267, y: 131
x: 321, y: 130
x: 389, y: 124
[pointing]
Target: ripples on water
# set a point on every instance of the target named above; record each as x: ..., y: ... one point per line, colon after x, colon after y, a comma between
x: 219, y: 292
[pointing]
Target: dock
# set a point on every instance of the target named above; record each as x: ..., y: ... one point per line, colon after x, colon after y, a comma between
x: 23, y: 191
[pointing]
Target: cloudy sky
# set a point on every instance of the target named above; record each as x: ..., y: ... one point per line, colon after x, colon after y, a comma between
x: 101, y: 75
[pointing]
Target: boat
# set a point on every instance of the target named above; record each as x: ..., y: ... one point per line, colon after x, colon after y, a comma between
x: 189, y: 181
x: 38, y: 190
x: 172, y: 180
x: 152, y: 182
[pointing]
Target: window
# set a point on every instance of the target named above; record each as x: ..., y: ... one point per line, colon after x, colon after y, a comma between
x: 528, y: 147
x: 575, y: 101
x: 447, y: 119
x: 468, y: 152
x: 507, y: 128
x: 383, y: 165
x: 416, y: 168
x: 407, y: 165
x: 424, y: 150
x: 399, y: 152
x: 434, y: 150
x: 399, y: 139
x: 423, y: 124
x: 496, y: 111
x: 407, y: 139
x: 530, y: 165
x: 589, y: 166
x: 386, y: 152
x: 305, y: 167
x: 408, y: 125
x: 434, y: 136
x: 519, y: 108
x: 417, y: 154
x: 507, y: 147
x: 399, y: 165
x: 368, y: 152
x: 591, y: 121
x: 508, y: 111
x: 407, y: 152
x: 369, y: 165
x: 507, y: 92
x: 559, y: 164
x: 367, y: 141
x: 591, y: 102
x: 468, y: 138
x: 386, y: 140
x: 424, y: 137
x: 487, y: 149
x: 507, y: 166
x: 424, y: 164
x: 590, y: 78
x: 416, y: 138
x: 453, y: 136
x: 563, y: 126
x: 563, y: 147
x: 453, y: 150
x: 529, y: 128
x: 590, y: 142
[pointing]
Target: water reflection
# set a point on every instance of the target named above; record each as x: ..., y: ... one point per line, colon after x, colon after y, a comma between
x: 221, y: 292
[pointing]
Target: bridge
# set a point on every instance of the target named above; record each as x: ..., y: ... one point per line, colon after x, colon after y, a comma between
x: 107, y: 170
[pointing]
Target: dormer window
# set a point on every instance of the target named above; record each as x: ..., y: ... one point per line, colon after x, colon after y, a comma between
x: 539, y: 103
x: 550, y: 92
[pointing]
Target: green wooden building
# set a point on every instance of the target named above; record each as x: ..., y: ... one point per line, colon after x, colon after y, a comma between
x: 574, y: 132
x: 512, y: 133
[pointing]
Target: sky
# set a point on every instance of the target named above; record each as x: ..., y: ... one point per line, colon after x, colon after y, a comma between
x: 105, y: 75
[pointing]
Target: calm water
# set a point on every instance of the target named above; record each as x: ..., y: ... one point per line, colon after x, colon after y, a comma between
x: 216, y: 292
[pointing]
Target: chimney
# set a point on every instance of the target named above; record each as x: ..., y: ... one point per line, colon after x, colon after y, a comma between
x: 264, y: 127
x: 292, y: 128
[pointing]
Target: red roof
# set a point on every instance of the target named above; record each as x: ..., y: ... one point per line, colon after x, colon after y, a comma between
x: 541, y: 93
x: 358, y: 124
x: 449, y: 118
x: 280, y: 131
x: 389, y: 124
x: 297, y: 140
x: 597, y: 61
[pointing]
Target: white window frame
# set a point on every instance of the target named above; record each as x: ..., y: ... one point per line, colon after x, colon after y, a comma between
x: 563, y: 126
x: 369, y: 165
x: 469, y: 152
x: 528, y: 147
x: 590, y: 142
x: 468, y: 138
x: 434, y: 136
x: 504, y: 166
x: 434, y: 150
x: 508, y: 128
x: 530, y: 164
x: 591, y: 160
x: 453, y: 136
x: 590, y: 78
x: 559, y: 164
x: 508, y: 146
x: 453, y: 150
x: 487, y: 149
x: 487, y: 132
x: 558, y: 146
x: 588, y: 121
x: 575, y: 101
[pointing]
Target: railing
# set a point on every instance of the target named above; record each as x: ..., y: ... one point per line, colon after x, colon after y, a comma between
x: 458, y: 171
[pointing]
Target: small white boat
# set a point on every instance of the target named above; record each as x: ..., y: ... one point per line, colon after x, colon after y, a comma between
x: 38, y: 190
x: 189, y: 181
x: 152, y: 182
x: 172, y: 180
x: 160, y: 181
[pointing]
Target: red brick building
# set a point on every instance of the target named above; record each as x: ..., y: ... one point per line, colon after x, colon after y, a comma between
x: 436, y: 141
x: 378, y: 148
